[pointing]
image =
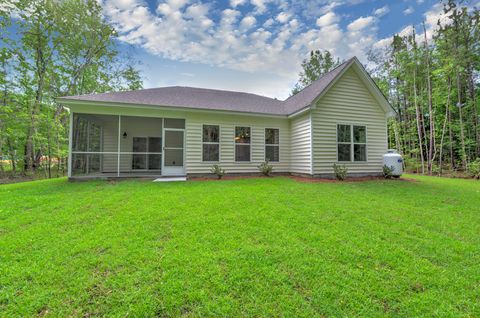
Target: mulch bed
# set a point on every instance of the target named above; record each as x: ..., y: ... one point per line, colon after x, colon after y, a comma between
x: 301, y: 179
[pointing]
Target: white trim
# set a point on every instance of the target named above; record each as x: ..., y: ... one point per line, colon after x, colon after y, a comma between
x: 352, y: 143
x: 235, y: 144
x: 299, y: 112
x: 70, y: 144
x: 311, y: 142
x: 118, y: 146
x: 173, y: 169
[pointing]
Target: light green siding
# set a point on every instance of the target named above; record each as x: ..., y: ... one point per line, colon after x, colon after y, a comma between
x: 301, y: 144
x: 350, y: 102
x: 227, y: 123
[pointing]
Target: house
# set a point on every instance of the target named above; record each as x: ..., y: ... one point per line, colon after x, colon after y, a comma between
x: 177, y: 131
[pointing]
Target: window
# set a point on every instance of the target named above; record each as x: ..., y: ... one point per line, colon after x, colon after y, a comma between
x: 351, y: 143
x: 272, y: 141
x: 359, y: 143
x: 242, y: 143
x: 211, y: 143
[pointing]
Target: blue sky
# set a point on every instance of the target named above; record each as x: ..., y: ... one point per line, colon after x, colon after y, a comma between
x: 254, y: 45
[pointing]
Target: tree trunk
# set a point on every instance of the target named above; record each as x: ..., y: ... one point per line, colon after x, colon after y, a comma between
x: 419, y: 122
x: 40, y: 65
x: 462, y: 133
x: 430, y: 105
x: 447, y: 105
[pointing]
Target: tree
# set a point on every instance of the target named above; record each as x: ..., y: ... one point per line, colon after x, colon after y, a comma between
x: 314, y: 67
x: 59, y: 48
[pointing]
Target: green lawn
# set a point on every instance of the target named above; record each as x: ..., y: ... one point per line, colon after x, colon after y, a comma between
x: 253, y: 247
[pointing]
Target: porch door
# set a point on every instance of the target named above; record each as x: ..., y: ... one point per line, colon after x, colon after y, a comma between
x: 173, y: 152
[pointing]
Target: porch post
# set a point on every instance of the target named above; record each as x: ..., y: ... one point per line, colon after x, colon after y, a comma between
x: 70, y: 143
x: 118, y: 147
x: 88, y: 147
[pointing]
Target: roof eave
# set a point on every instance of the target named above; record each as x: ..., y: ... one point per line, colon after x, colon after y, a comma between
x: 73, y: 102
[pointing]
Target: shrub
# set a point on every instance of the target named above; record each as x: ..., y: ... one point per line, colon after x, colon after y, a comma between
x: 340, y: 171
x: 218, y: 171
x: 474, y: 169
x: 265, y: 168
x: 412, y: 164
x: 387, y: 172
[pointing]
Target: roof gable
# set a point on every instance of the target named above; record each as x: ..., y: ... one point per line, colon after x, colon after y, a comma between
x: 221, y: 100
x: 315, y: 91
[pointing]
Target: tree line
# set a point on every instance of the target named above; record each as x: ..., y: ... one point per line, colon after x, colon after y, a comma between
x: 50, y: 49
x: 432, y: 81
x: 433, y: 84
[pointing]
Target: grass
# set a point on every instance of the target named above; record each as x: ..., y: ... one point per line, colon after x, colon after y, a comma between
x: 253, y: 247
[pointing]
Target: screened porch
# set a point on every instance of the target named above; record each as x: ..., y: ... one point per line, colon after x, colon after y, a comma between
x: 126, y: 146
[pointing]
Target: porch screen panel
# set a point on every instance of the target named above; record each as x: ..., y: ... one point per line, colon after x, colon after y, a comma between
x: 140, y: 144
x: 94, y: 144
x: 154, y: 160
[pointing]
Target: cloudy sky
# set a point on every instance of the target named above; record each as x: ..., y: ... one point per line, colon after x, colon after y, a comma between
x: 253, y: 45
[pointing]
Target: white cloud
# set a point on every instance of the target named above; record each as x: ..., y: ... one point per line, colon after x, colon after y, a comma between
x: 235, y: 3
x: 361, y: 23
x: 409, y: 10
x: 268, y: 23
x: 248, y: 22
x: 283, y: 17
x: 274, y: 43
x: 260, y: 5
x: 380, y: 12
x: 327, y: 19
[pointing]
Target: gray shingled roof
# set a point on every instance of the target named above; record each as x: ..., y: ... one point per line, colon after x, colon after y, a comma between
x: 210, y: 99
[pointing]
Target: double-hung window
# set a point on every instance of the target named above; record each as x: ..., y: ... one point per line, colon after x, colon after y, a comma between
x: 211, y: 143
x: 242, y: 143
x: 272, y: 144
x: 351, y: 143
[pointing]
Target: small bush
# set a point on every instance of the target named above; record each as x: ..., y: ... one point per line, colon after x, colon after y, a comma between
x: 265, y: 168
x: 412, y: 164
x: 340, y: 171
x: 387, y: 172
x: 474, y: 169
x: 218, y: 171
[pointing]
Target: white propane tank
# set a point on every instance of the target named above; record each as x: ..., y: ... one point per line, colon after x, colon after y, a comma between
x: 393, y: 159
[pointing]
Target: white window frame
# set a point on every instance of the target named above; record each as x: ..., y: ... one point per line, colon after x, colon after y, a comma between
x: 274, y: 145
x: 212, y: 143
x: 352, y: 143
x: 235, y: 143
